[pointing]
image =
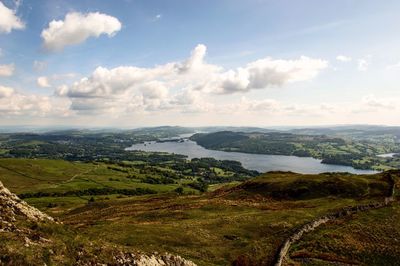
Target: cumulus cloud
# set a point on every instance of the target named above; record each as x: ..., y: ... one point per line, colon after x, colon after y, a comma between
x: 50, y: 81
x: 154, y: 90
x: 182, y: 84
x: 14, y: 103
x: 268, y: 72
x: 196, y: 59
x: 7, y: 70
x: 264, y: 73
x: 43, y: 82
x: 343, y: 58
x: 9, y: 20
x: 76, y: 28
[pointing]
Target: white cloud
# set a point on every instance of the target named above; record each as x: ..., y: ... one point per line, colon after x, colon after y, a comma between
x: 56, y: 79
x: 181, y: 84
x: 43, y: 82
x: 76, y: 28
x: 9, y: 20
x: 343, y: 58
x: 269, y: 72
x: 7, y: 70
x: 6, y: 91
x: 265, y: 73
x: 154, y: 90
x: 14, y: 103
x: 196, y: 59
x: 156, y: 106
x: 363, y: 65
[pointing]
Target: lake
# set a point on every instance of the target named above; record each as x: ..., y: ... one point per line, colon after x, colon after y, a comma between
x: 259, y: 162
x: 387, y: 155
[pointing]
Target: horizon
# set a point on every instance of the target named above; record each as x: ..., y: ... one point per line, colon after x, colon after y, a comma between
x: 45, y: 129
x: 215, y: 63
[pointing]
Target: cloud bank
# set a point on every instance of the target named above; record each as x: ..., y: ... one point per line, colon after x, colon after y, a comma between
x: 187, y: 91
x: 182, y: 83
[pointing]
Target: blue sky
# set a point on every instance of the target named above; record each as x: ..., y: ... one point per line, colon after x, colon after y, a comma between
x: 134, y: 63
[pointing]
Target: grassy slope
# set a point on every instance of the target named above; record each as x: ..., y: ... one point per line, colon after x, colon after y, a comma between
x: 210, y: 231
x: 51, y: 244
x: 370, y: 238
x: 42, y: 175
x: 285, y: 185
x: 216, y: 228
x: 34, y: 175
x: 248, y: 220
x: 367, y: 238
x: 25, y: 175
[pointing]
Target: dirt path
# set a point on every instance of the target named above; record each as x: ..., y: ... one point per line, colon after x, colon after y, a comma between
x: 79, y: 174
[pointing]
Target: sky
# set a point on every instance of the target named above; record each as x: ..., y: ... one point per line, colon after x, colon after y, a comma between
x: 133, y: 63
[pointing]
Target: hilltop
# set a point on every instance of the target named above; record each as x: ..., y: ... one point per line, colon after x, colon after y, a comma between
x: 293, y: 186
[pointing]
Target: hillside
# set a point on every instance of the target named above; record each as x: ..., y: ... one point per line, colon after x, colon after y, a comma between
x: 242, y: 222
x: 293, y: 186
x: 30, y: 237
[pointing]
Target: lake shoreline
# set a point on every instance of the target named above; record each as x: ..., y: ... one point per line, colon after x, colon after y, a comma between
x: 252, y: 161
x: 389, y: 155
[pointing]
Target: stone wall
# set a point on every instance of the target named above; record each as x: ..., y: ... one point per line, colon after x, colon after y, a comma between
x: 311, y: 226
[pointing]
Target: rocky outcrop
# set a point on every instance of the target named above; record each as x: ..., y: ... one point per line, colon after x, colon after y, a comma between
x: 311, y: 226
x: 125, y: 259
x: 12, y: 207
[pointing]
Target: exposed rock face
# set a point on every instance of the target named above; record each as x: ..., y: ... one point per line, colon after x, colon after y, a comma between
x: 126, y: 259
x: 11, y: 207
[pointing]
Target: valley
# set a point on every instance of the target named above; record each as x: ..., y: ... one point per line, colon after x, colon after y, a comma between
x: 208, y: 211
x: 199, y: 133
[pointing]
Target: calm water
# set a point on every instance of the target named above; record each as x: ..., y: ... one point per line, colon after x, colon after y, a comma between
x: 259, y: 162
x: 387, y: 155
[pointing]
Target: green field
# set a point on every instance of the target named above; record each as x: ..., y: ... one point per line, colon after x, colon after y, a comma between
x: 237, y: 221
x: 58, y: 184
